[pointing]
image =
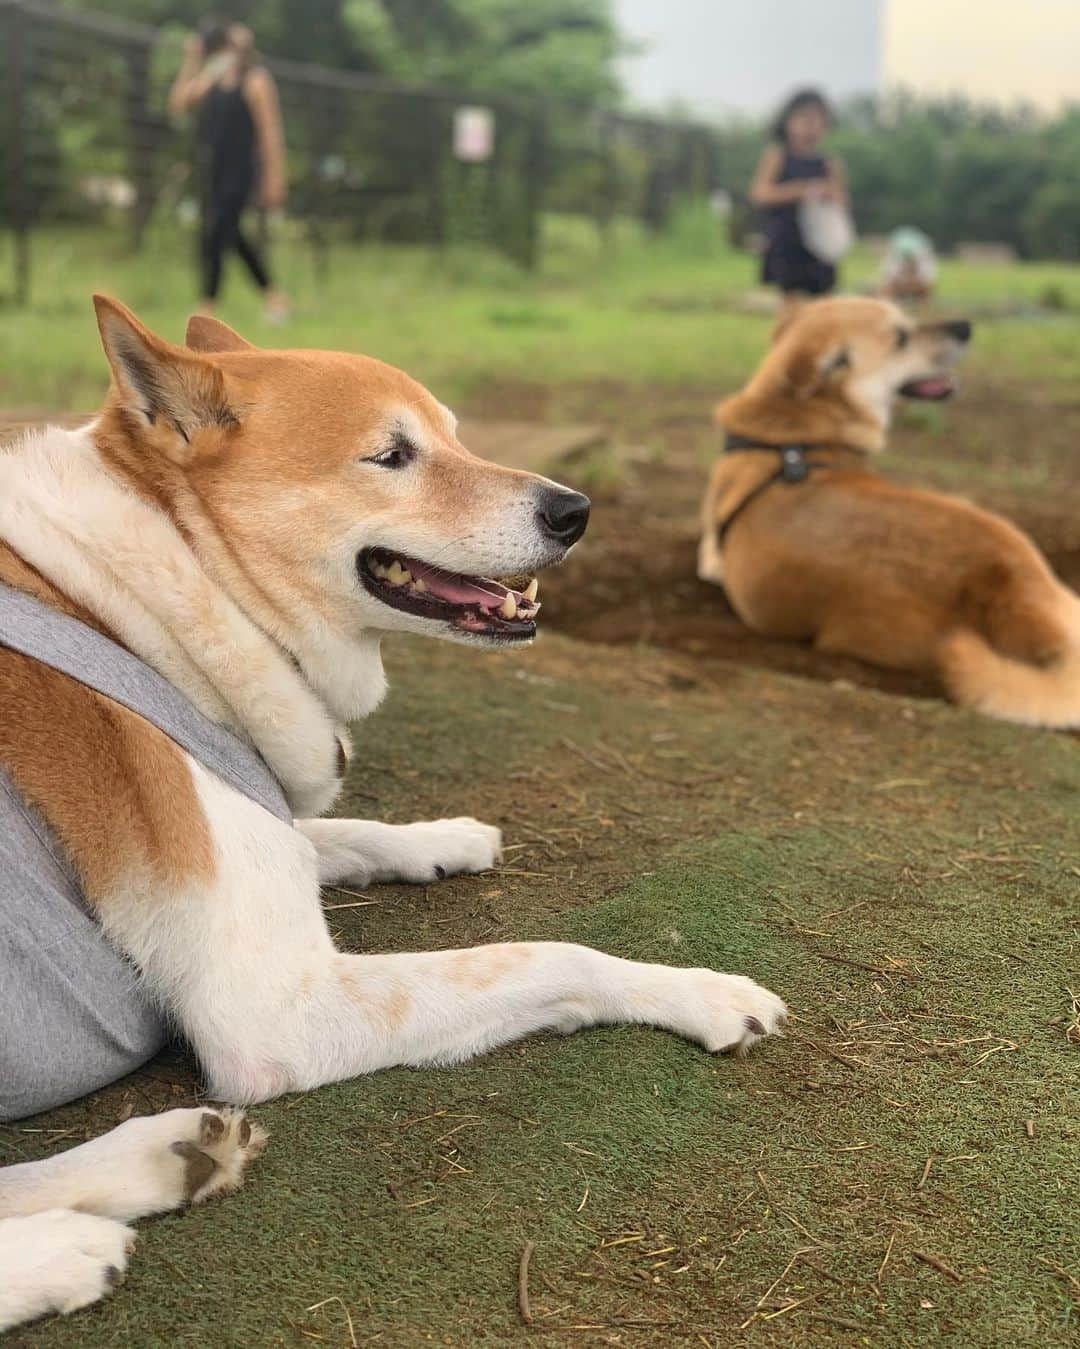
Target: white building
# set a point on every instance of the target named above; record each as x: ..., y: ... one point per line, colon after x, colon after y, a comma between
x: 715, y: 57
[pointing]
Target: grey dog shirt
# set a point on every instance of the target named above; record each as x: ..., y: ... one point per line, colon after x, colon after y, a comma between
x: 73, y: 1015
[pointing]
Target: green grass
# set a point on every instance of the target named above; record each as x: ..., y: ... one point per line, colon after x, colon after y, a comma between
x: 626, y: 308
x: 903, y: 873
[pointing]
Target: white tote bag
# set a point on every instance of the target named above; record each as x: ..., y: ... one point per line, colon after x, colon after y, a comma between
x: 827, y: 229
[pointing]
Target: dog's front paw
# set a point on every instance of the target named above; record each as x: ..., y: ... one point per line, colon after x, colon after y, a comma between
x: 154, y: 1163
x: 440, y: 848
x: 215, y: 1157
x: 724, y: 1012
x: 59, y: 1261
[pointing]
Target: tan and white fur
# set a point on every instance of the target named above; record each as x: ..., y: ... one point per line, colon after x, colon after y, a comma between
x: 897, y: 576
x: 215, y: 519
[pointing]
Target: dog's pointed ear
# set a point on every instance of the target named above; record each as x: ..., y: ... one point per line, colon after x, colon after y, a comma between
x: 205, y: 333
x: 805, y: 369
x: 836, y: 360
x: 165, y: 385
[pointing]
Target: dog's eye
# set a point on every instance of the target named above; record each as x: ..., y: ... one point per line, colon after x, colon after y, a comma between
x: 397, y: 455
x: 903, y: 337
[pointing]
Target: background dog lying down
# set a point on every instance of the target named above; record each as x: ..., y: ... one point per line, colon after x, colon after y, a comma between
x: 250, y: 525
x: 897, y: 576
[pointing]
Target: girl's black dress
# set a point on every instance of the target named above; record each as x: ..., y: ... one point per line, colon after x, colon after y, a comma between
x: 788, y: 263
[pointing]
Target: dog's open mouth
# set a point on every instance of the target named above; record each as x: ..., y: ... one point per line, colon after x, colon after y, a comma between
x: 934, y: 387
x: 472, y: 604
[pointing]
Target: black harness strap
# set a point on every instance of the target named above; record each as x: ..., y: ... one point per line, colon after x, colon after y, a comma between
x: 794, y: 468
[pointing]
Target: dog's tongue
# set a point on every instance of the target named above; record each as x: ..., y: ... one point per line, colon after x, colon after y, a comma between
x: 459, y: 589
x: 939, y: 387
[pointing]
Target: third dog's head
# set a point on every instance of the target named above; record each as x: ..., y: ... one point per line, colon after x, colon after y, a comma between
x: 835, y: 368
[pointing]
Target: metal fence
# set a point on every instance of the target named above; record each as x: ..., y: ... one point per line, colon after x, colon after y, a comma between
x: 85, y: 139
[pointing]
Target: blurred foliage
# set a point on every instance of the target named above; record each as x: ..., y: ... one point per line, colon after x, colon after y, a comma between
x: 368, y: 159
x: 561, y: 48
x: 961, y: 171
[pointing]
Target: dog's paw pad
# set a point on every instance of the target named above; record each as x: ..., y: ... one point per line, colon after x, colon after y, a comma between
x: 199, y: 1168
x: 215, y: 1161
x: 211, y: 1127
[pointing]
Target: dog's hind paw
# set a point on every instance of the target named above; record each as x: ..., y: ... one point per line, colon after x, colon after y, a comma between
x: 154, y: 1163
x: 215, y: 1160
x: 59, y: 1261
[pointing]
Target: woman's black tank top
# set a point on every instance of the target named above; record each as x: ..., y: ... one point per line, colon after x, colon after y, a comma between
x: 227, y: 154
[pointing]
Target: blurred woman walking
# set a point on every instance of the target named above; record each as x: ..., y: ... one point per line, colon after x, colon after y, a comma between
x: 241, y: 151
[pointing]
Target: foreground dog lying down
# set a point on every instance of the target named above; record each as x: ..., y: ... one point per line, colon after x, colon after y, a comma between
x: 248, y: 525
x: 810, y: 544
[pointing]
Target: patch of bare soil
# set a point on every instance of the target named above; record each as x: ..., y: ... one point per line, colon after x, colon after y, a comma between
x: 634, y: 580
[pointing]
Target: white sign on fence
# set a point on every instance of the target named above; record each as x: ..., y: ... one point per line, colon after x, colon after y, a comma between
x: 474, y: 134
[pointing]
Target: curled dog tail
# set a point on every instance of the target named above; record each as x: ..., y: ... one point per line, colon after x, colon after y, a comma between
x: 979, y: 677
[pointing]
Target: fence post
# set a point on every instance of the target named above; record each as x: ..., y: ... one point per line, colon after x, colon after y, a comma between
x: 609, y: 206
x: 142, y: 135
x: 18, y: 187
x: 439, y: 122
x: 535, y: 174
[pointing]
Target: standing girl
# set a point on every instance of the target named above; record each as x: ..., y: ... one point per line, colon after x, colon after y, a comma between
x: 793, y: 170
x: 241, y: 151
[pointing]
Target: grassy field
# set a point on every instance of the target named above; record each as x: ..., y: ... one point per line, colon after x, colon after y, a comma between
x: 660, y: 312
x: 900, y: 1169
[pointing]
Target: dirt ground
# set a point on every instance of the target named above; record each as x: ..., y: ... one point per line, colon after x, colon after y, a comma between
x: 634, y: 579
x: 896, y: 1171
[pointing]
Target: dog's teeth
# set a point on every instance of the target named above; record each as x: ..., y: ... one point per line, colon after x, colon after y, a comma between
x: 531, y: 590
x: 397, y: 574
x: 508, y: 608
x: 380, y: 571
x: 420, y: 585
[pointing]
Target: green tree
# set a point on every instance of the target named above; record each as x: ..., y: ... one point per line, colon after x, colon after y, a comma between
x: 563, y: 48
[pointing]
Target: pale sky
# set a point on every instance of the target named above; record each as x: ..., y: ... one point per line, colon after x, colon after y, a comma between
x: 991, y: 49
x: 720, y: 56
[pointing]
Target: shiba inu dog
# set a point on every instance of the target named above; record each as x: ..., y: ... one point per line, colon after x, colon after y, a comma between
x: 809, y: 543
x: 246, y: 526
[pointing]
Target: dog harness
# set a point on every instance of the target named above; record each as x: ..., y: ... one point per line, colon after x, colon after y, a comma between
x: 73, y: 1016
x: 794, y: 467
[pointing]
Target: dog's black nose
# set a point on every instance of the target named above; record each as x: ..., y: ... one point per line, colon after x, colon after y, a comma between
x: 563, y: 514
x: 960, y: 329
